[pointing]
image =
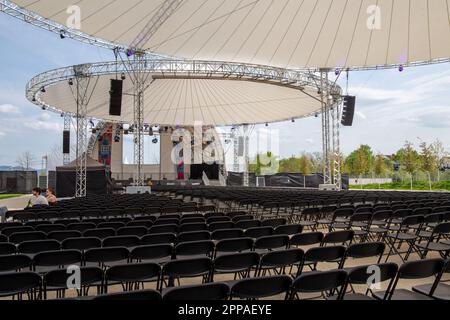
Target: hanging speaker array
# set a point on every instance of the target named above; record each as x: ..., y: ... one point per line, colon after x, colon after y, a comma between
x: 115, y: 102
x: 348, y: 112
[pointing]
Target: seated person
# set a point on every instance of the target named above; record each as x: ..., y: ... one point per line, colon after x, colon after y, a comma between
x: 37, y: 199
x: 51, y: 197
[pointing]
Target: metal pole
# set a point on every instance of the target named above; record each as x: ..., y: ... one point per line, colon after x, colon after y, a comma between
x: 67, y: 121
x: 246, y: 180
x: 139, y: 91
x: 324, y: 92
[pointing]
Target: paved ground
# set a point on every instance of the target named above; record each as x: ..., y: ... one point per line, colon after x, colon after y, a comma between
x: 15, y: 203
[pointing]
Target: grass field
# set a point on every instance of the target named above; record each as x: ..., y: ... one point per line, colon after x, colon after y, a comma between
x: 9, y: 196
x: 417, y: 186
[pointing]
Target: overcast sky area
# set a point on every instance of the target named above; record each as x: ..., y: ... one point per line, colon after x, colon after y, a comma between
x: 391, y: 106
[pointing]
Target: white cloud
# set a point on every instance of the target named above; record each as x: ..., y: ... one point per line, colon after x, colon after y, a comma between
x: 361, y: 115
x: 9, y: 108
x: 44, y: 117
x: 2, y: 134
x: 43, y: 125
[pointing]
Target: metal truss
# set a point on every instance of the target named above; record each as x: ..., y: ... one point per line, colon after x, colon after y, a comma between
x: 161, y: 69
x: 27, y: 16
x: 100, y: 130
x: 246, y: 179
x: 67, y: 122
x: 336, y: 160
x: 326, y: 154
x: 82, y: 80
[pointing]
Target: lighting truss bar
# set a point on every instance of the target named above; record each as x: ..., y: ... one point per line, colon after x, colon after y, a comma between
x: 184, y: 69
x: 101, y: 129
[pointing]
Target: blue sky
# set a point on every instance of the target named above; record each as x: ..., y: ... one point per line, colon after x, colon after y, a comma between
x: 391, y: 107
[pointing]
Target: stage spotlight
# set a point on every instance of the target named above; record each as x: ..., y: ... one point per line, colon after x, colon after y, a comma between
x: 62, y: 35
x: 94, y: 131
x: 316, y: 115
x: 319, y: 91
x: 62, y: 115
x: 130, y: 53
x: 34, y: 99
x: 126, y: 132
x: 293, y: 120
x: 43, y: 90
x: 267, y: 124
x: 122, y: 76
x: 70, y: 82
x: 155, y: 141
x: 44, y: 108
x: 337, y: 72
x: 116, y: 139
x: 401, y: 68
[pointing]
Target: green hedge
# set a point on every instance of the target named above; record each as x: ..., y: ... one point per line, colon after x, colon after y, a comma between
x: 418, y: 186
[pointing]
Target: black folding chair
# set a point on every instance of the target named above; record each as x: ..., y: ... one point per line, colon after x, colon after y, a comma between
x: 160, y: 253
x: 306, y: 239
x: 81, y: 244
x: 325, y: 283
x: 239, y: 264
x: 158, y: 238
x: 185, y: 268
x: 33, y: 247
x: 100, y: 233
x: 7, y: 248
x: 121, y: 241
x: 264, y: 287
x: 314, y: 256
x: 16, y: 262
x: 142, y: 295
x: 194, y: 248
x: 193, y: 236
x: 278, y: 261
x: 18, y: 284
x: 45, y: 261
x: 132, y: 277
x: 434, y: 243
x: 233, y: 246
x: 105, y: 257
x: 441, y: 290
x: 413, y: 270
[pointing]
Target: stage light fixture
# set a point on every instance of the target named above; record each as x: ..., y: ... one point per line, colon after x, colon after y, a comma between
x: 116, y: 139
x: 70, y: 82
x: 43, y: 90
x: 44, y: 108
x: 34, y: 99
x: 126, y: 132
x: 130, y: 53
x: 122, y: 76
x: 62, y: 115
x: 401, y: 68
x: 155, y: 141
x: 337, y: 72
x: 62, y: 35
x: 267, y: 124
x: 293, y: 120
x: 316, y: 115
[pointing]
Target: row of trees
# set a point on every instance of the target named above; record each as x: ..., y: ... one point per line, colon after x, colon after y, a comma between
x: 430, y: 158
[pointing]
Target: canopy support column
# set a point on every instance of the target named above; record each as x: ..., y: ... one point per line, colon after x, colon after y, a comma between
x: 326, y: 150
x: 82, y: 80
x: 246, y: 180
x: 336, y: 118
x: 67, y: 121
x: 140, y: 79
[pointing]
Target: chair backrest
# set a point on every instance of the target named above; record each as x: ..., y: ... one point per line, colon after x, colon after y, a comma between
x: 110, y: 225
x: 256, y: 288
x: 63, y: 235
x: 100, y: 233
x: 195, y: 248
x: 20, y: 237
x: 152, y: 252
x: 272, y: 242
x: 290, y: 229
x: 247, y: 224
x: 325, y: 254
x: 282, y: 258
x: 442, y: 229
x: 132, y: 231
x: 227, y: 234
x: 421, y: 269
x: 204, y: 292
x: 365, y: 250
x: 364, y: 275
x: 134, y: 272
x: 187, y: 267
x: 158, y: 238
x: 274, y: 222
x: 193, y: 236
x: 191, y: 227
x: 256, y: 233
x: 315, y: 282
x: 102, y: 255
x: 307, y: 239
x: 47, y: 228
x: 164, y: 228
x: 236, y: 262
x: 14, y: 262
x: 15, y: 283
x: 81, y: 227
x: 7, y: 248
x: 220, y: 226
x: 234, y: 245
x: 336, y: 237
x: 57, y: 258
x: 121, y: 241
x: 10, y: 230
x: 31, y: 247
x: 81, y: 244
x: 58, y: 278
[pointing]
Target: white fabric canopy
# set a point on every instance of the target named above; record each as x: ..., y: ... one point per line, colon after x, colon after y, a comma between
x: 282, y: 33
x: 184, y: 102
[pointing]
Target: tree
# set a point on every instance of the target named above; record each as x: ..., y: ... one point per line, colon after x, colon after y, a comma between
x: 360, y: 161
x: 409, y: 159
x: 380, y: 166
x: 26, y: 160
x: 428, y: 160
x: 440, y: 156
x: 305, y: 166
x: 291, y: 165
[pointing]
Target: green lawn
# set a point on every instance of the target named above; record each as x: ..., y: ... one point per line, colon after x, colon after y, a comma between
x: 417, y: 186
x: 9, y: 196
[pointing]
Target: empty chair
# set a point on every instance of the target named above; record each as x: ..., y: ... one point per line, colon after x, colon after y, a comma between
x: 212, y: 214
x: 166, y: 221
x: 100, y: 233
x: 413, y: 270
x: 272, y: 242
x: 44, y: 261
x: 105, y: 257
x: 188, y: 220
x: 242, y: 218
x: 193, y: 236
x: 14, y: 263
x: 239, y: 264
x: 274, y: 222
x: 365, y: 250
x: 12, y: 284
x: 306, y: 239
x: 142, y: 295
x: 339, y: 237
x: 441, y: 289
x: 141, y: 223
x: 121, y: 241
x: 158, y: 238
x: 20, y: 237
x: 278, y: 261
x: 258, y: 288
x: 10, y: 225
x: 63, y: 235
x: 314, y: 256
x: 234, y: 245
x: 47, y: 228
x: 289, y: 230
x: 256, y: 233
x: 220, y: 226
x: 194, y: 248
x: 203, y: 292
x: 7, y: 248
x: 165, y: 228
x: 132, y: 276
x: 185, y: 268
x: 325, y: 283
x: 132, y: 231
x: 33, y: 247
x: 156, y: 253
x: 227, y: 234
x: 57, y: 280
x: 364, y: 276
x: 217, y: 219
x: 247, y: 224
x: 191, y: 227
x: 434, y: 243
x: 81, y: 227
x: 10, y: 230
x: 110, y: 225
x: 81, y: 244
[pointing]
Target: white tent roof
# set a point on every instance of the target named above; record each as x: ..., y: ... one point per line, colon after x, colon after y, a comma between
x: 282, y: 33
x: 184, y: 101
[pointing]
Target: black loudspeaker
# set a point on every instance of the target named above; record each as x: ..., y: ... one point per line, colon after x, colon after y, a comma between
x: 66, y: 142
x: 115, y: 102
x: 348, y: 113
